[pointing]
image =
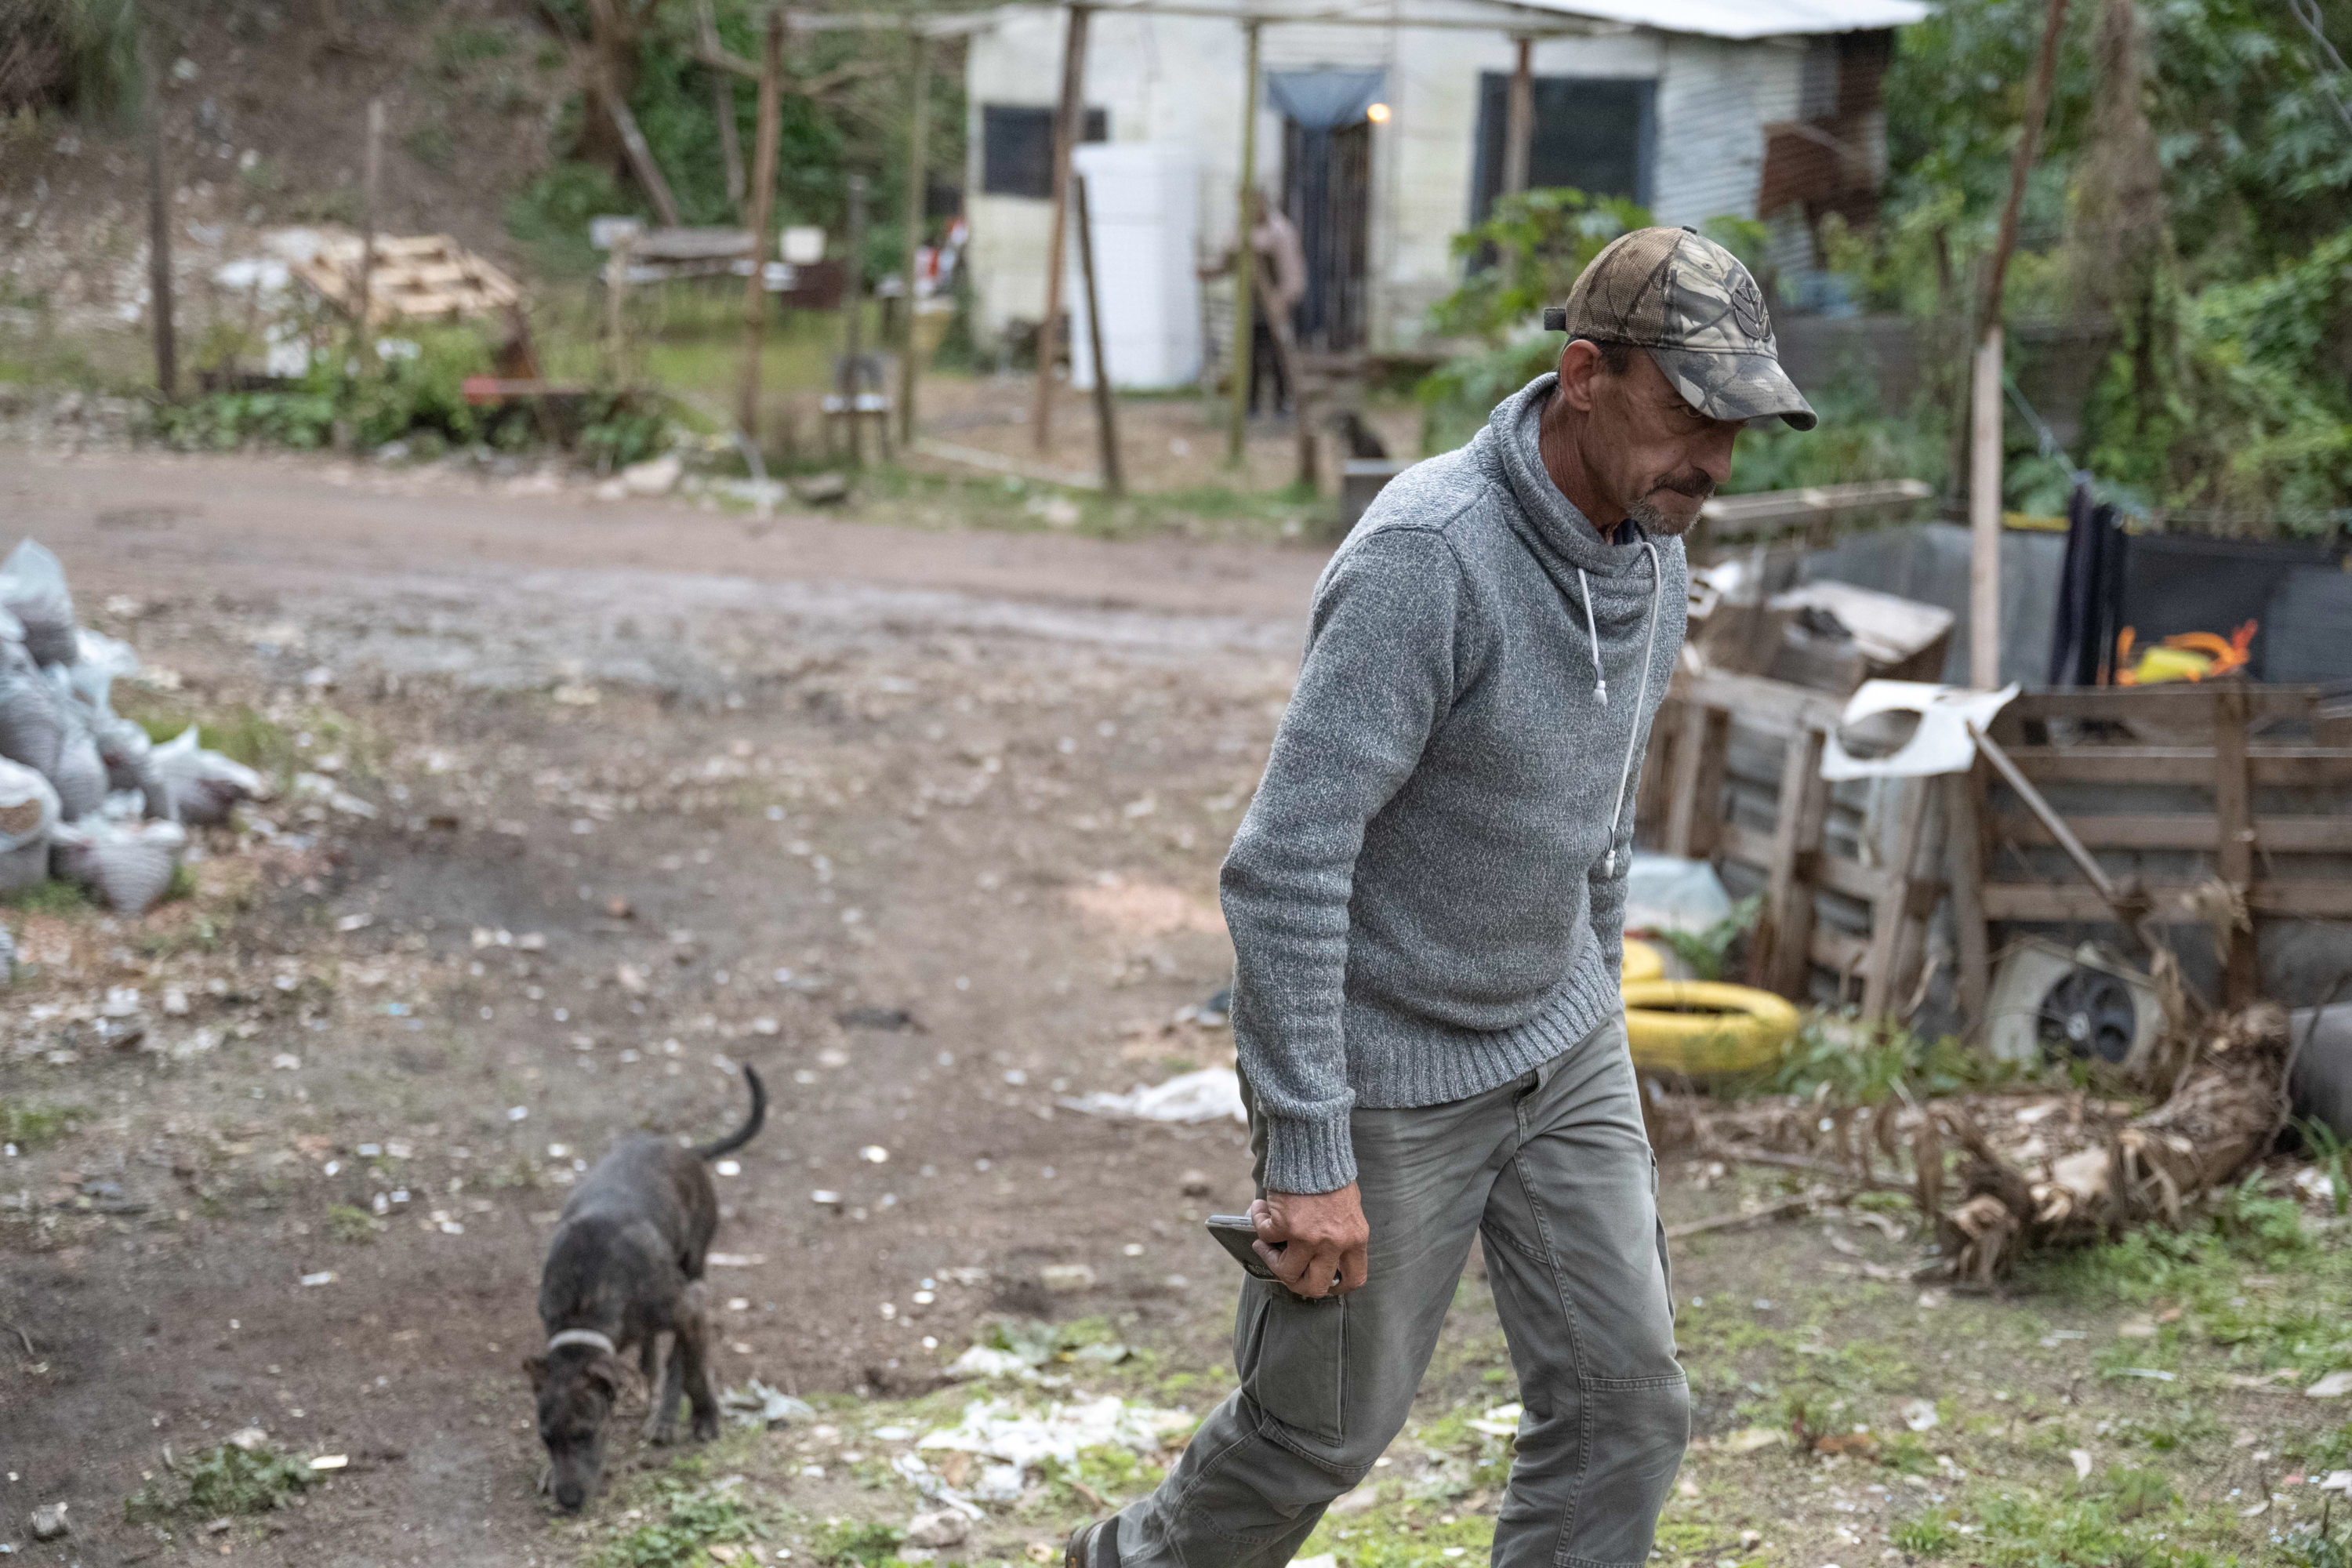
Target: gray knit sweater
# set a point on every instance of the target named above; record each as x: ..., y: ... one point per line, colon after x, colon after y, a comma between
x: 1426, y: 895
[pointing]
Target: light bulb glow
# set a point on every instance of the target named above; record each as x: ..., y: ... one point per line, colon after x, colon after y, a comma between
x: 1378, y: 114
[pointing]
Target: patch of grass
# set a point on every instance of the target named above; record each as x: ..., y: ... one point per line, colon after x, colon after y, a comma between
x: 681, y: 1521
x: 238, y: 732
x: 225, y: 1480
x: 28, y: 1125
x: 345, y: 1222
x: 1925, y: 1535
x: 1408, y: 1533
x: 2326, y: 1544
x: 53, y: 896
x: 847, y: 1543
x: 2248, y: 1276
x: 466, y: 42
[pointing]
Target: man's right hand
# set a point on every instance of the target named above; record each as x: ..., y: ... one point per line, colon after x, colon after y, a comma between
x: 1318, y: 1244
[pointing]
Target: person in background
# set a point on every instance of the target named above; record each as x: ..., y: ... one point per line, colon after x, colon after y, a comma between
x: 1277, y: 287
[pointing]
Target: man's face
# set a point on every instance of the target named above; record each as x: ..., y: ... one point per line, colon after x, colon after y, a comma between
x: 1647, y: 452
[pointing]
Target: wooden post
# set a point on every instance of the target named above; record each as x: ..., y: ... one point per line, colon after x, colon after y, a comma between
x: 1106, y: 406
x: 1890, y: 912
x: 1964, y: 840
x: 1519, y: 120
x: 1796, y: 843
x: 722, y: 109
x: 616, y: 307
x: 852, y: 310
x: 917, y: 176
x: 1984, y: 514
x: 1069, y: 125
x: 158, y: 228
x: 2233, y: 812
x: 1984, y: 467
x: 764, y: 190
x: 1245, y: 256
x: 364, y: 305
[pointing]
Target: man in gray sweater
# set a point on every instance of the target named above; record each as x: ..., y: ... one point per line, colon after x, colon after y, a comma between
x: 1426, y: 901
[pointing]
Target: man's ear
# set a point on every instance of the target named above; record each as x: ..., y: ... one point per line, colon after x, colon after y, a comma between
x: 1580, y: 362
x: 535, y: 1368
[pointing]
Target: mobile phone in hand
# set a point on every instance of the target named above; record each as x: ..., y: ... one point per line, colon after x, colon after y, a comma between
x: 1237, y: 1236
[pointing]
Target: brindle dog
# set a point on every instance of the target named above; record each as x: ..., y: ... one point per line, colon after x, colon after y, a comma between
x: 624, y: 1268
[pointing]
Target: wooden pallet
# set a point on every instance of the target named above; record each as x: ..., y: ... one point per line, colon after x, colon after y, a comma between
x: 425, y: 277
x: 1686, y: 791
x: 2218, y: 798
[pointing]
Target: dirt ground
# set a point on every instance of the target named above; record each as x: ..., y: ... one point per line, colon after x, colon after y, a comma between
x: 923, y: 825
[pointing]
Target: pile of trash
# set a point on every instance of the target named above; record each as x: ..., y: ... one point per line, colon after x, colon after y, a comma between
x: 86, y: 795
x: 1009, y: 1444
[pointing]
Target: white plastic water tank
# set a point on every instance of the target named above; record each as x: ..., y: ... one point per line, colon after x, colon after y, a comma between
x: 1144, y: 199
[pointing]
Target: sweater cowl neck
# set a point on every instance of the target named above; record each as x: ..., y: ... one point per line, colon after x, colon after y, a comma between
x: 1561, y: 535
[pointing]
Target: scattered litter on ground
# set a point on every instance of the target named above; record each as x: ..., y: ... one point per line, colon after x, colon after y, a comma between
x: 757, y: 1404
x: 1019, y: 1440
x: 1212, y: 1094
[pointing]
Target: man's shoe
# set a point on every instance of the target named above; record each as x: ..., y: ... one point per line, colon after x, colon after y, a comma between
x: 1093, y: 1545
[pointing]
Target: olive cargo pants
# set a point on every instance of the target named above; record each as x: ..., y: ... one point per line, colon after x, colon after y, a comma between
x: 1552, y: 1169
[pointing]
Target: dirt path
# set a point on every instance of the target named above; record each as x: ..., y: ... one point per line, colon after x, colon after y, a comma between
x: 925, y: 824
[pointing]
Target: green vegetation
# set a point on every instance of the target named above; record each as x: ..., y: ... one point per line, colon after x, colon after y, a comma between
x: 345, y: 1222
x: 681, y: 1519
x: 846, y: 1543
x: 50, y: 898
x: 223, y: 1479
x: 1705, y: 950
x: 29, y: 1125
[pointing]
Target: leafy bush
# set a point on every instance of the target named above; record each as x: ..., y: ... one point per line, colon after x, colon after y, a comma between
x: 225, y: 1480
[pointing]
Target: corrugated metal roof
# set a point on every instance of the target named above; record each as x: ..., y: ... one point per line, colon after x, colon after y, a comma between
x: 1741, y: 18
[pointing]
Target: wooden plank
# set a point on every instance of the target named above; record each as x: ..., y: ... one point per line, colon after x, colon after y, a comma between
x: 2314, y: 898
x: 2186, y: 830
x: 1693, y: 813
x: 1964, y: 850
x: 1839, y: 951
x: 1812, y: 812
x: 2174, y: 701
x: 1760, y: 700
x: 2287, y: 766
x: 2234, y: 806
x: 1891, y: 914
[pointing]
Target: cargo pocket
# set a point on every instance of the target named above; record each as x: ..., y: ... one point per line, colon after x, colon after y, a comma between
x: 1292, y: 1355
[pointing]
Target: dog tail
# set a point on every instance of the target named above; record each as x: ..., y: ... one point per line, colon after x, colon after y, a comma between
x: 751, y: 1124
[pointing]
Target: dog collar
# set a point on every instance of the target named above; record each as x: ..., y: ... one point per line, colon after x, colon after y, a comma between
x: 581, y: 1337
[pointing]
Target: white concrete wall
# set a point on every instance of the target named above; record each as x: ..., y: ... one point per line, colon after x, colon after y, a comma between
x: 1178, y: 79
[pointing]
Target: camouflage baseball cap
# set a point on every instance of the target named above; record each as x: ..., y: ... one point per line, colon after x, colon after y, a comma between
x: 1693, y: 306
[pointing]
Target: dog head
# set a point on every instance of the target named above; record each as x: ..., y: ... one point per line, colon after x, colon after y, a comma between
x: 577, y: 1385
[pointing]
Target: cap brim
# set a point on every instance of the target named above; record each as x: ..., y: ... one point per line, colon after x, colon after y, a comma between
x: 1734, y: 385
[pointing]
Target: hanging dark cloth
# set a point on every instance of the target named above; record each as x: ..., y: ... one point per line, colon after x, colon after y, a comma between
x: 2090, y: 592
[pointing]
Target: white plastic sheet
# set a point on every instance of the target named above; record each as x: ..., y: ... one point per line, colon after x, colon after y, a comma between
x: 1213, y: 1094
x: 1940, y: 745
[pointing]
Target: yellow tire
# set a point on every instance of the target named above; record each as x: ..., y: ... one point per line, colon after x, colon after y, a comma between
x: 1641, y: 961
x: 1700, y: 1026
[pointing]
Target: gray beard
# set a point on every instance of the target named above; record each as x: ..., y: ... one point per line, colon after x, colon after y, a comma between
x: 1654, y: 522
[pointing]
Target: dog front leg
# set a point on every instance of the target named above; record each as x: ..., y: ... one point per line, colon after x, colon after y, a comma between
x: 661, y: 1421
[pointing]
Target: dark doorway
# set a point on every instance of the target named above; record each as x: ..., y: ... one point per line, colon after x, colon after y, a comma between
x: 1596, y: 133
x: 1327, y: 189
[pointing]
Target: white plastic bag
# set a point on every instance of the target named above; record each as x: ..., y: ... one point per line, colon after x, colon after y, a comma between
x: 32, y: 587
x: 31, y: 729
x: 203, y: 786
x: 28, y: 814
x: 1665, y: 893
x: 128, y: 865
x: 79, y: 772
